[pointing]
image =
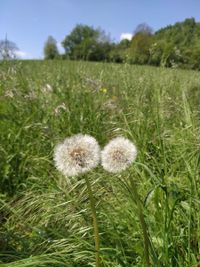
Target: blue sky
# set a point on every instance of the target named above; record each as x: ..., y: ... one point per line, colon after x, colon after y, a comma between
x: 29, y: 22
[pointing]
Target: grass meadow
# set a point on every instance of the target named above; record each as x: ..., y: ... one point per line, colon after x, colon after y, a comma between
x: 45, y: 218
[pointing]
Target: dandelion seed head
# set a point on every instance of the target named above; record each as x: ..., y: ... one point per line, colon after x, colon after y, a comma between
x: 31, y: 96
x: 60, y: 108
x: 47, y: 89
x: 9, y: 94
x: 110, y: 105
x: 118, y: 154
x: 77, y: 154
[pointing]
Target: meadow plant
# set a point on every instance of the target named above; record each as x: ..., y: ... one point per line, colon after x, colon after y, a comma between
x: 78, y: 155
x: 60, y: 108
x: 9, y: 93
x: 47, y: 89
x: 45, y: 223
x: 116, y: 156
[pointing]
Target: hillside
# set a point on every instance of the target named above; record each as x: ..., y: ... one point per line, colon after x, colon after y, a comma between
x: 174, y: 46
x: 45, y: 217
x: 182, y: 34
x: 181, y: 43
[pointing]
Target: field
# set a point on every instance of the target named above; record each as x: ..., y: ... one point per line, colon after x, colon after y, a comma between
x: 45, y: 218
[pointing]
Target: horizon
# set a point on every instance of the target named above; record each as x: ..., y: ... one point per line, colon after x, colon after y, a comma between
x: 28, y: 23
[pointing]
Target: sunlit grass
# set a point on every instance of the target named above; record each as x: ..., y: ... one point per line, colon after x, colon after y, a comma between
x: 45, y: 219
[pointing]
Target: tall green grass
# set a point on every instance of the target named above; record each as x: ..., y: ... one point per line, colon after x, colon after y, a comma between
x: 45, y: 218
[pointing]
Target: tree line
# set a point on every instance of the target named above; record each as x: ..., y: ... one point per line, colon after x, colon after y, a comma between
x: 174, y: 46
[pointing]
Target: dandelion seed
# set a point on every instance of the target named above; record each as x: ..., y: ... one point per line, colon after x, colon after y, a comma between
x: 77, y: 154
x: 118, y: 154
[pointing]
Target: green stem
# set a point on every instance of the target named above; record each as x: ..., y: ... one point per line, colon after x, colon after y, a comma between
x: 142, y: 222
x: 95, y: 222
x: 166, y: 229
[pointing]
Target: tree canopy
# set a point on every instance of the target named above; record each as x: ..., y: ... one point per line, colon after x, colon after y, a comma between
x: 87, y: 43
x: 173, y: 46
x: 50, y: 48
x: 176, y: 45
x: 8, y: 49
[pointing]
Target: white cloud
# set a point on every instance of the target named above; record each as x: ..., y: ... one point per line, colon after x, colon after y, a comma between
x: 60, y: 47
x: 22, y: 54
x: 126, y: 35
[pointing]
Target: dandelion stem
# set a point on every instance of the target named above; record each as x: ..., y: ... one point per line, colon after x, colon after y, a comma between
x: 142, y: 222
x: 95, y: 222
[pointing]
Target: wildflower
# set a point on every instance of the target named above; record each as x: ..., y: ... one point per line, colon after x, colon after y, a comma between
x: 104, y: 90
x: 118, y: 154
x: 77, y: 154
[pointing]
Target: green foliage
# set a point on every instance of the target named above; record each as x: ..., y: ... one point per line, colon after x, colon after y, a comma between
x: 139, y: 51
x: 45, y: 218
x: 119, y: 52
x: 156, y: 52
x: 192, y: 56
x: 173, y: 46
x: 181, y: 33
x: 143, y: 28
x: 87, y: 43
x: 80, y: 35
x: 50, y: 49
x: 180, y: 44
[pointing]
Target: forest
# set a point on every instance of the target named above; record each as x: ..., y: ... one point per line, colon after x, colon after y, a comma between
x: 174, y: 46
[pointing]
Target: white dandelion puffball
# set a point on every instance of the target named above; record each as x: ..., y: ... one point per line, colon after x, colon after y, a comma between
x: 118, y: 154
x: 77, y: 154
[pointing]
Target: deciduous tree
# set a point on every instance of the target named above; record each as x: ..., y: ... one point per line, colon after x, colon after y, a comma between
x: 8, y: 49
x: 50, y: 48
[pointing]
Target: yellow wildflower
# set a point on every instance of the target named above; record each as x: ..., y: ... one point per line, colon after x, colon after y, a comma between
x: 104, y: 90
